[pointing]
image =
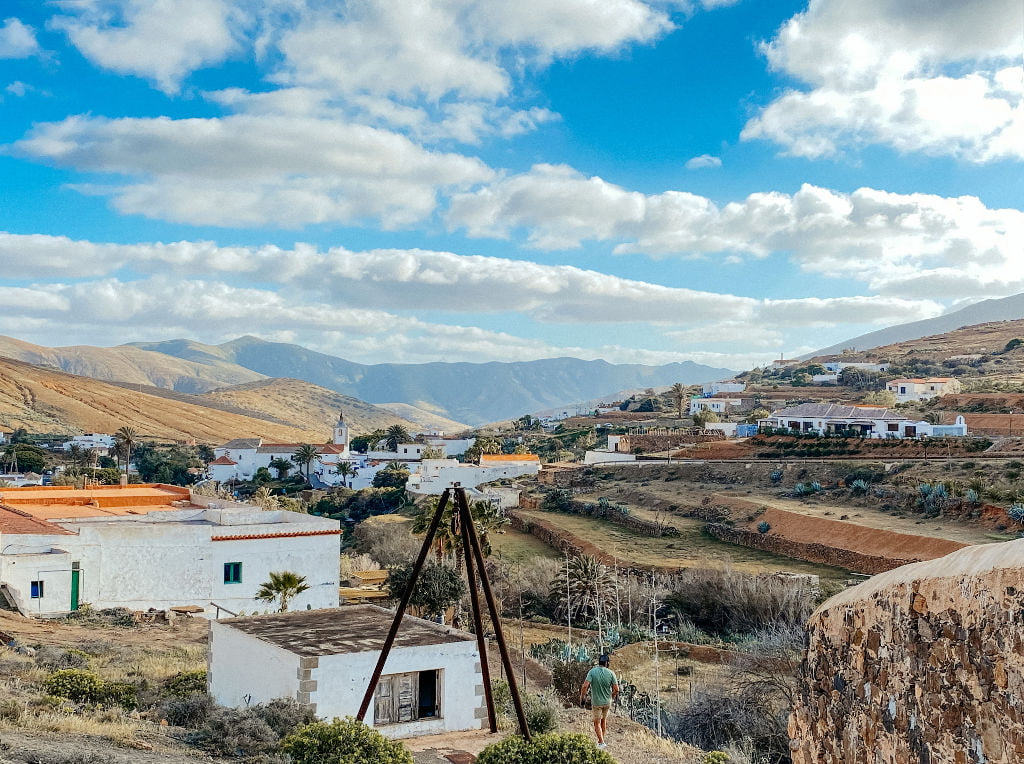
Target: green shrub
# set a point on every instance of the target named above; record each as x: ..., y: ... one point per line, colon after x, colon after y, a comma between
x: 57, y: 658
x: 343, y: 741
x: 186, y: 683
x: 75, y: 684
x: 567, y: 678
x: 716, y: 757
x: 541, y: 712
x: 236, y: 732
x: 764, y: 526
x: 545, y: 749
x: 124, y: 694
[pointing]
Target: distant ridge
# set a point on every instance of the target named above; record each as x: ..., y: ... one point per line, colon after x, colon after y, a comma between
x: 1004, y: 309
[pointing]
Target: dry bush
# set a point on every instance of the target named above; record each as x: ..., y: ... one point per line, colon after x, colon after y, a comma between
x: 389, y: 544
x: 350, y: 563
x: 722, y: 599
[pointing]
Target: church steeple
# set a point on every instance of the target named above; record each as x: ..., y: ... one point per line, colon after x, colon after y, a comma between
x: 341, y: 431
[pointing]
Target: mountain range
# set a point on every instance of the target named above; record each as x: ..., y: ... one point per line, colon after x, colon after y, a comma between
x: 1003, y: 309
x: 472, y: 393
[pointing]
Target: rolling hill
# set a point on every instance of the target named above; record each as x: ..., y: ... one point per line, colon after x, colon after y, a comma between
x: 309, y: 406
x: 45, y: 400
x: 1005, y: 309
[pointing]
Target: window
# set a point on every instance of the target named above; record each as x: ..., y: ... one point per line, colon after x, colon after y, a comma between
x: 232, y: 572
x: 893, y: 427
x: 37, y: 590
x: 408, y: 697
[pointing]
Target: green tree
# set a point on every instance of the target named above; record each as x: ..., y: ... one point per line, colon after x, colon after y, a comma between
x: 282, y: 466
x: 176, y: 465
x: 678, y: 393
x: 883, y: 398
x: 394, y: 475
x: 396, y: 434
x: 304, y: 456
x: 484, y: 444
x: 125, y: 439
x: 282, y: 587
x: 702, y: 418
x: 24, y: 458
x: 437, y: 589
x: 343, y: 741
x: 346, y: 471
x: 586, y: 595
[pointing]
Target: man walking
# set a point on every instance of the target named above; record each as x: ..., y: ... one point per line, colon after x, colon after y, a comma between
x: 604, y: 688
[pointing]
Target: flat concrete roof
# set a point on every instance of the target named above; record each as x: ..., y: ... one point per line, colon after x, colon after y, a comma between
x: 349, y: 629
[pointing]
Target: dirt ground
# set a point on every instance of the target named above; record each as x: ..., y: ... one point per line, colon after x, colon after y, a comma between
x: 34, y: 631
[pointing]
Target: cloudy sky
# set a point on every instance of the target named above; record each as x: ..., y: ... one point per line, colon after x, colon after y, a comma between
x: 416, y: 180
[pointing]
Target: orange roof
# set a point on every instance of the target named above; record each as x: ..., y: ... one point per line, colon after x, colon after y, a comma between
x: 223, y: 460
x: 13, y: 521
x: 509, y: 458
x: 50, y: 502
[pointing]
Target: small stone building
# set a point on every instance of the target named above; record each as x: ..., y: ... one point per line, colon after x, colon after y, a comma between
x: 324, y: 658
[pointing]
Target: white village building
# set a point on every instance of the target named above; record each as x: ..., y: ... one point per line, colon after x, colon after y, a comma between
x: 324, y: 658
x: 435, y: 475
x: 717, y: 405
x: 155, y: 546
x: 871, y: 421
x: 240, y: 458
x: 923, y: 389
x: 723, y: 386
x: 91, y: 441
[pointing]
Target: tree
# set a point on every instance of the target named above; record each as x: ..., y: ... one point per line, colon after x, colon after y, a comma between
x: 396, y: 434
x: 24, y: 458
x: 884, y: 398
x: 346, y: 471
x: 586, y: 594
x: 282, y: 587
x: 678, y: 393
x: 176, y: 465
x: 437, y: 589
x: 432, y: 452
x: 484, y: 444
x: 702, y: 418
x: 125, y: 440
x: 282, y: 466
x: 393, y: 475
x: 305, y: 455
x: 77, y: 455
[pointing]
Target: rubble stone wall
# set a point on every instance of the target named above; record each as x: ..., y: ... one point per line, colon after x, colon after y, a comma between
x: 923, y: 664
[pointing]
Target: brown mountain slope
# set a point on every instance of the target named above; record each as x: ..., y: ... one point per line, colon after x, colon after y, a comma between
x: 980, y: 339
x: 306, y: 405
x: 44, y: 400
x: 125, y: 363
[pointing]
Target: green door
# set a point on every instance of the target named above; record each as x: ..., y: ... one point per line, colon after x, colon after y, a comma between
x: 74, y: 588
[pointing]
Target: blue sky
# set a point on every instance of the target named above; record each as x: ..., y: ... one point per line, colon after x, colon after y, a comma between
x: 636, y: 180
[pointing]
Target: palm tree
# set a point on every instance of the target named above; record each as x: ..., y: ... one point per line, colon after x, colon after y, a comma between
x: 282, y: 587
x: 396, y: 434
x: 586, y: 596
x: 305, y: 455
x: 125, y: 439
x: 678, y: 393
x: 282, y: 466
x: 346, y: 470
x: 374, y: 439
x: 264, y: 499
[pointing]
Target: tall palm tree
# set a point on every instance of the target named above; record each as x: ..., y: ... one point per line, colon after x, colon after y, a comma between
x: 282, y: 466
x: 587, y: 595
x: 282, y: 587
x: 346, y: 470
x: 305, y: 455
x: 125, y: 439
x: 396, y: 434
x: 678, y: 393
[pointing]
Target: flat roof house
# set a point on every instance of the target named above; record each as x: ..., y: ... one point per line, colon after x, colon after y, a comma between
x: 869, y: 421
x: 154, y: 546
x: 324, y: 658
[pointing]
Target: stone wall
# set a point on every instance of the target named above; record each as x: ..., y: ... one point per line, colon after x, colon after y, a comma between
x: 920, y: 665
x: 650, y: 443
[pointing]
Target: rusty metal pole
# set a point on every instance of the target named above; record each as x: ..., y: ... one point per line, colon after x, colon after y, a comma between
x: 403, y: 604
x: 513, y: 686
x: 478, y: 620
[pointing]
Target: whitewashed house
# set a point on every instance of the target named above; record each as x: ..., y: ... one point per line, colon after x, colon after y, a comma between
x: 240, y: 458
x: 837, y: 366
x: 435, y: 475
x: 717, y: 405
x: 871, y: 421
x: 724, y: 386
x: 91, y: 441
x: 324, y: 659
x: 155, y: 546
x: 922, y: 389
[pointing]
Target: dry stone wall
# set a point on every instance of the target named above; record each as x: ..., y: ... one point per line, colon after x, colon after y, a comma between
x: 923, y: 664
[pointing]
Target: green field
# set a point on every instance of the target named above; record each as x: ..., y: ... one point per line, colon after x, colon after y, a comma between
x: 693, y: 548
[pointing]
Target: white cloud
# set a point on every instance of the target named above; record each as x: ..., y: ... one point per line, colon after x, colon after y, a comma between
x: 703, y: 161
x: 17, y: 40
x: 945, y: 80
x: 18, y: 89
x: 897, y: 244
x: 256, y: 170
x: 161, y: 40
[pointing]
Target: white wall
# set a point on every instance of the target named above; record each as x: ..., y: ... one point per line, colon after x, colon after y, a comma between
x: 27, y: 558
x: 602, y: 457
x: 241, y: 665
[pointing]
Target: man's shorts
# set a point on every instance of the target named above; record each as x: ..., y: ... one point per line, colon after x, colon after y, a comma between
x: 601, y: 713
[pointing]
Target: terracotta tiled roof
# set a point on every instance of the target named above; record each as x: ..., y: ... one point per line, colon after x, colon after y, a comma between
x: 14, y: 521
x: 509, y: 458
x: 223, y: 460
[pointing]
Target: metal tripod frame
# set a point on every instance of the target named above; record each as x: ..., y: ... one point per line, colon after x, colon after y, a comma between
x: 474, y: 563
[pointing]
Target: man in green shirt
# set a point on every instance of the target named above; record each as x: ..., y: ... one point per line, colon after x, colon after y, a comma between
x: 604, y: 688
